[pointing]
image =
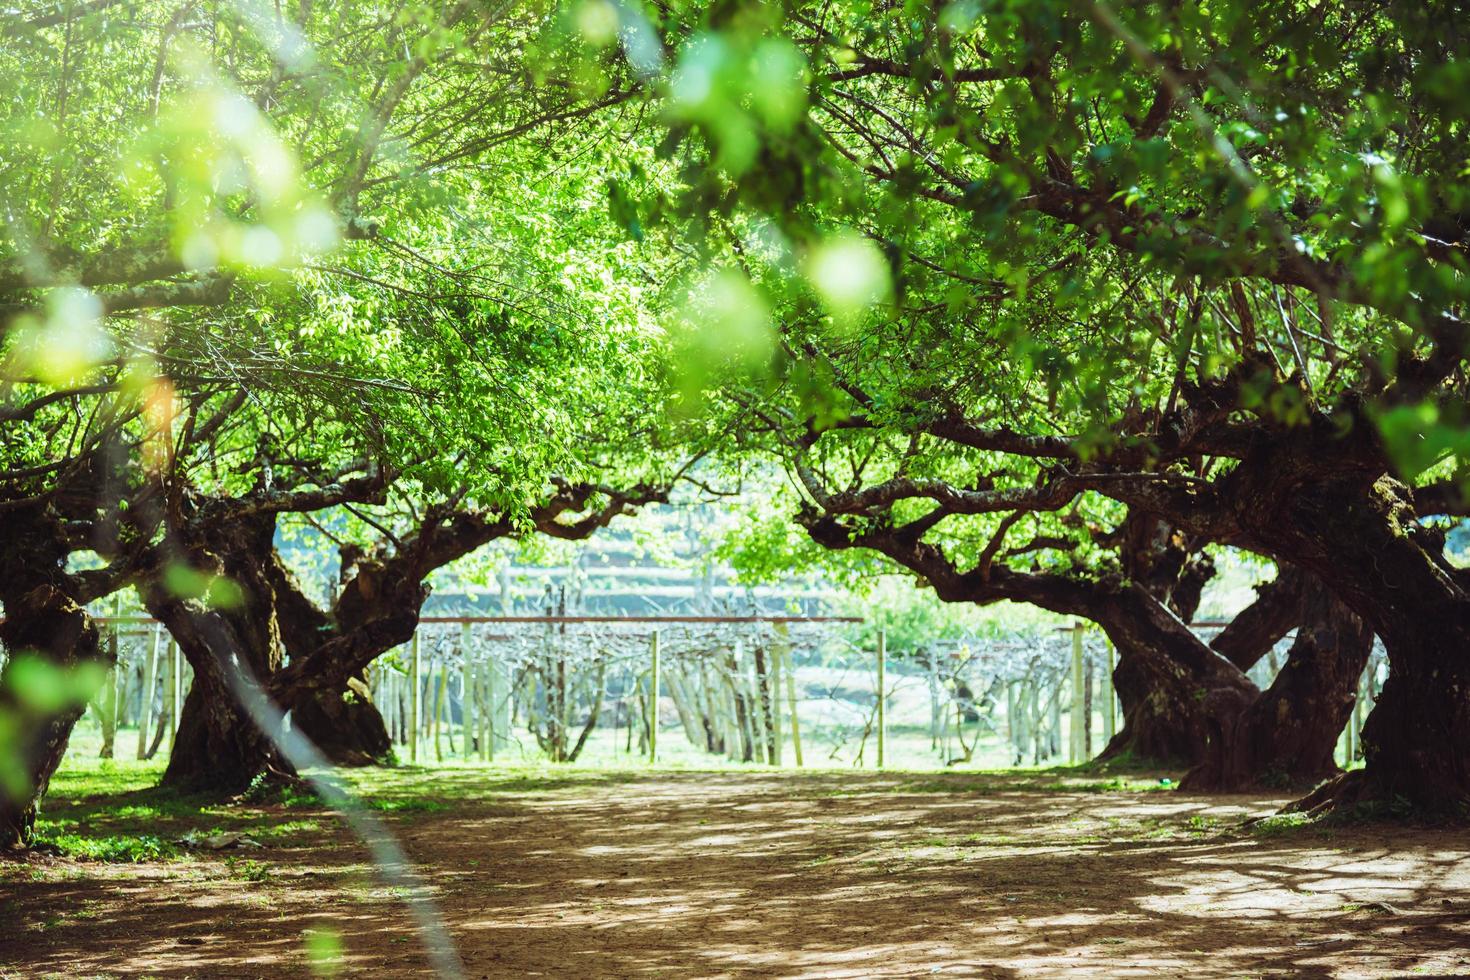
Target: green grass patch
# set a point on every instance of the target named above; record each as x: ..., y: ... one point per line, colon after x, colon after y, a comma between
x: 115, y: 849
x: 1117, y: 784
x: 1279, y: 823
x: 407, y: 806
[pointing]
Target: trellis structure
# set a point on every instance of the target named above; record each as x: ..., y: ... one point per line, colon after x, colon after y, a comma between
x: 145, y: 688
x: 729, y: 679
x: 735, y: 686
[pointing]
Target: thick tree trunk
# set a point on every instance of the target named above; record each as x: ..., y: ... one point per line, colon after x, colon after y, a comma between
x: 1287, y: 738
x: 1179, y: 697
x: 42, y: 626
x: 339, y: 717
x: 1416, y: 741
x: 1360, y: 535
x: 234, y: 649
x: 345, y: 726
x: 1176, y: 696
x: 219, y: 749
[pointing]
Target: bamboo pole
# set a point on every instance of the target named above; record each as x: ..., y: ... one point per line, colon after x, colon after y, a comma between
x: 490, y: 708
x: 414, y: 698
x: 179, y: 665
x: 439, y: 706
x: 466, y: 692
x: 653, y: 701
x: 1079, y: 697
x: 145, y: 696
x: 791, y: 698
x: 882, y: 698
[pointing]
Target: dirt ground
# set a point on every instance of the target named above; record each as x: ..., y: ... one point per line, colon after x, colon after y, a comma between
x: 781, y: 875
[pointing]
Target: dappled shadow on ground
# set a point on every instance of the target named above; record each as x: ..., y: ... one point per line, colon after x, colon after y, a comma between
x: 793, y: 875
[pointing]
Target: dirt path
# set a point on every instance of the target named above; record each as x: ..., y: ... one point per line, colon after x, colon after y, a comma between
x: 742, y: 875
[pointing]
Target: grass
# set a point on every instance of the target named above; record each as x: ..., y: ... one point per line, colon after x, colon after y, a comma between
x: 1279, y: 823
x: 112, y: 810
x: 123, y: 849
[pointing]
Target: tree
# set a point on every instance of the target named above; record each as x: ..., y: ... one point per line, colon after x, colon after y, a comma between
x: 299, y: 290
x: 1207, y: 266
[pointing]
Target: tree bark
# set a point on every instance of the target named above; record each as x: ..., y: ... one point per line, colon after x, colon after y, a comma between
x: 220, y: 748
x: 1179, y: 697
x: 345, y: 726
x: 46, y: 625
x: 1286, y: 739
x: 1363, y: 539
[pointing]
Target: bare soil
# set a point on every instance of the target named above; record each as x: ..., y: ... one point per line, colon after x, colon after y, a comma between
x: 739, y: 874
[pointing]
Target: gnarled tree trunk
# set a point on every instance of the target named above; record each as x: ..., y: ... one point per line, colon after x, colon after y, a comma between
x: 234, y: 648
x: 1316, y: 496
x: 47, y: 626
x: 340, y: 718
x: 1365, y: 542
x: 1180, y: 698
x: 1286, y: 739
x: 345, y: 726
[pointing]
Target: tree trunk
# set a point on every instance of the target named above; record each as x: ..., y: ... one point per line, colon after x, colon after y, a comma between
x: 46, y: 627
x: 219, y: 749
x: 1179, y: 697
x: 763, y: 686
x: 345, y: 726
x: 599, y: 692
x: 1287, y: 738
x: 340, y: 719
x: 234, y: 648
x: 1360, y: 535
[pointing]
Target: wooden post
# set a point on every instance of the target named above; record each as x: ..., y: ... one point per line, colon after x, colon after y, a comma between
x: 882, y: 698
x: 439, y: 706
x: 490, y: 708
x: 1079, y: 697
x: 145, y: 696
x: 653, y: 701
x: 178, y: 681
x: 414, y: 698
x: 788, y: 668
x: 468, y: 728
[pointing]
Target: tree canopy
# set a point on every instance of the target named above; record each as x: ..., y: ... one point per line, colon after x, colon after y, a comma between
x: 1040, y: 301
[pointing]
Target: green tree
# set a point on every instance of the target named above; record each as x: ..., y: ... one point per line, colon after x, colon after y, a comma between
x: 1200, y: 267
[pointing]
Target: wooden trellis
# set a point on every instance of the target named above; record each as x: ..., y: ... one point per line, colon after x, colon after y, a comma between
x: 478, y: 676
